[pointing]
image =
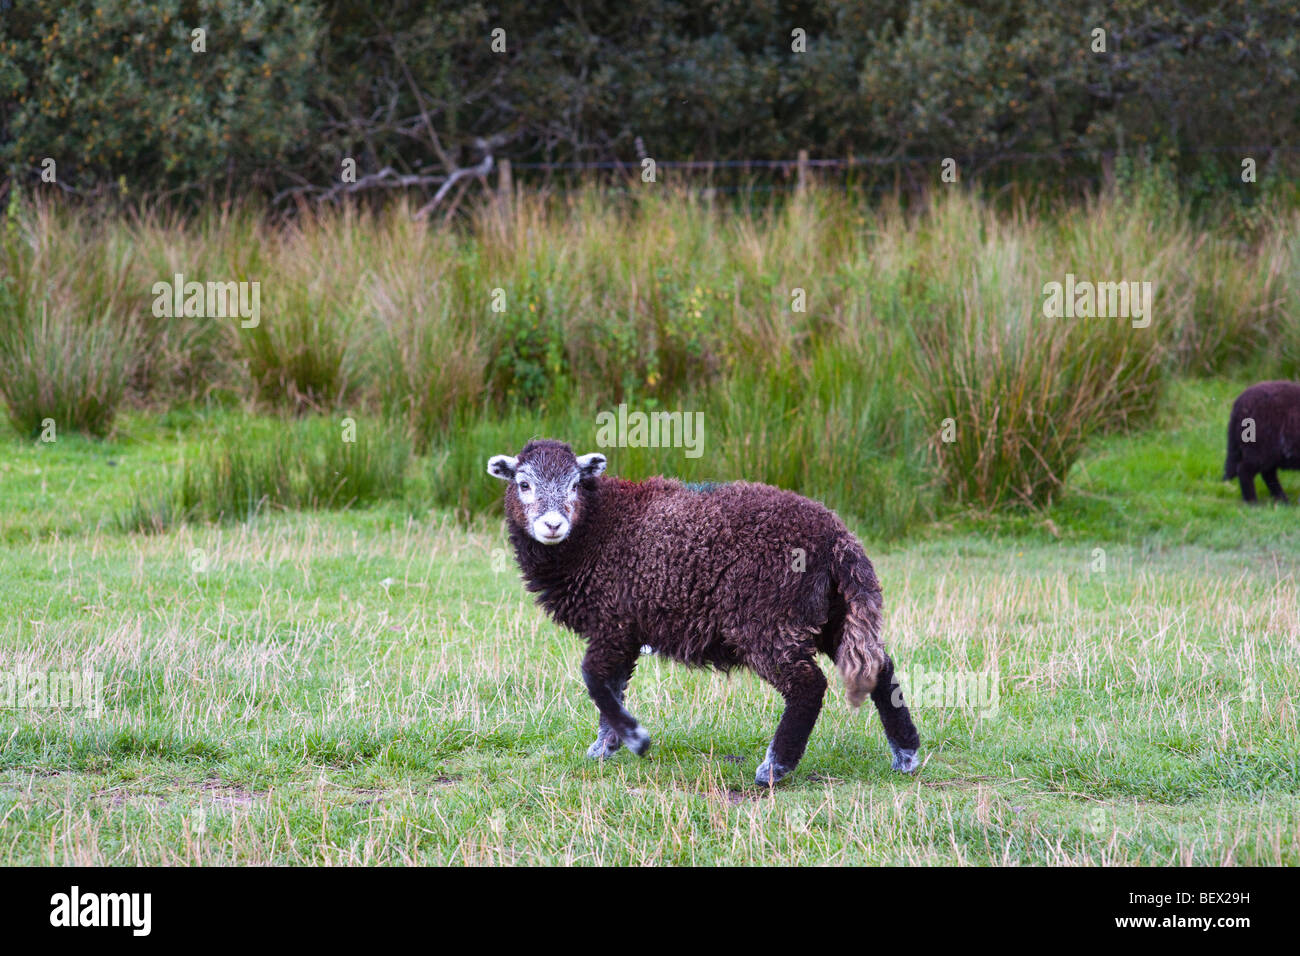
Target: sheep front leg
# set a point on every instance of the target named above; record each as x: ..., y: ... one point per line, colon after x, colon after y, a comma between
x: 803, y: 686
x: 1246, y: 476
x: 606, y: 675
x: 607, y: 740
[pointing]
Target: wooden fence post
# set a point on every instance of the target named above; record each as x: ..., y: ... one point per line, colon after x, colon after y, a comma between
x: 505, y: 186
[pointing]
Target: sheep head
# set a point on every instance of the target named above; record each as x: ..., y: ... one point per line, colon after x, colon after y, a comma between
x: 542, y: 495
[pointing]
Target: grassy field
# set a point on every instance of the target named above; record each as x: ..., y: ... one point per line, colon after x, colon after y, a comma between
x: 374, y: 685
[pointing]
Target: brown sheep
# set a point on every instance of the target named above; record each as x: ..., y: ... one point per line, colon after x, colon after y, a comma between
x: 1263, y: 436
x: 737, y: 574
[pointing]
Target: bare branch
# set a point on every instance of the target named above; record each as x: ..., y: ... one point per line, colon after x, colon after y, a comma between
x: 482, y: 169
x: 386, y: 178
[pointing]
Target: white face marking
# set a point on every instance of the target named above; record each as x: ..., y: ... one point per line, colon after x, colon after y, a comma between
x: 526, y: 488
x: 548, y: 504
x: 551, y: 528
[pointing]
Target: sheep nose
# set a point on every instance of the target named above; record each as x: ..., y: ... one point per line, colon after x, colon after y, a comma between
x: 552, y: 525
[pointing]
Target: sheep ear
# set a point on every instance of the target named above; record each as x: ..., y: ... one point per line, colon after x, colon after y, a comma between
x: 503, y: 467
x: 589, y: 466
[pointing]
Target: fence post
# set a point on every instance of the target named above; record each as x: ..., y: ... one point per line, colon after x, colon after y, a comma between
x: 505, y: 186
x: 801, y: 178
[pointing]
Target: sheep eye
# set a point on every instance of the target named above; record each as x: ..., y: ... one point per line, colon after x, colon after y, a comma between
x: 524, y: 486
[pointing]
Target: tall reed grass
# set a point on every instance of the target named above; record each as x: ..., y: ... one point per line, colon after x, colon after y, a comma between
x: 70, y: 338
x: 828, y: 341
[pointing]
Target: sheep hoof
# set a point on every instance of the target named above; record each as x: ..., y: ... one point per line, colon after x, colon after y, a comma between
x: 604, y: 747
x: 638, y: 741
x: 770, y: 772
x: 905, y: 761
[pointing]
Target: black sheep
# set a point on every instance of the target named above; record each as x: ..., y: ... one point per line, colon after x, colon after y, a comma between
x: 735, y: 574
x: 1263, y: 436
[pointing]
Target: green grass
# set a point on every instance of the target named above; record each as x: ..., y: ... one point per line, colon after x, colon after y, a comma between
x: 373, y: 685
x: 249, y: 468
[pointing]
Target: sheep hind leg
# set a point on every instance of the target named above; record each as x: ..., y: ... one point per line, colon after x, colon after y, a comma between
x: 803, y: 686
x: 1275, y: 486
x: 606, y: 679
x: 900, y: 732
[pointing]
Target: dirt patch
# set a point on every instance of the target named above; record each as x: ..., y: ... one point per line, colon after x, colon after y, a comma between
x: 230, y: 798
x: 737, y: 797
x: 121, y: 797
x: 823, y: 778
x: 958, y: 783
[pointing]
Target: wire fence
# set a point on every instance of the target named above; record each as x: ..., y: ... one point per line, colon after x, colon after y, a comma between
x: 869, y: 161
x: 862, y: 173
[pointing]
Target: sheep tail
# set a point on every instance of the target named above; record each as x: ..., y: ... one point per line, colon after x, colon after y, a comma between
x: 860, y: 656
